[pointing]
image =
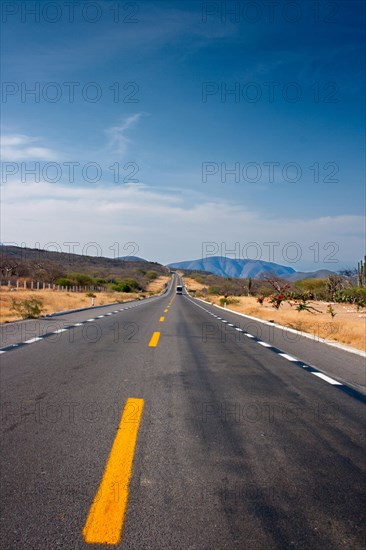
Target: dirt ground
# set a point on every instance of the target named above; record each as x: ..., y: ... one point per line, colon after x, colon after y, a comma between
x: 348, y: 326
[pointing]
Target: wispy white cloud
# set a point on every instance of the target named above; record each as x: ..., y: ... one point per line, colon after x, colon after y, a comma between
x: 118, y: 141
x: 20, y: 147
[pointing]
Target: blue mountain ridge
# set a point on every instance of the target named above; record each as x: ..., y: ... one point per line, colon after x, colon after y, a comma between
x: 244, y: 268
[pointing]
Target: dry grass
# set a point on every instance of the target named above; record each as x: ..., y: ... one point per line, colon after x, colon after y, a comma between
x: 347, y: 327
x: 191, y: 284
x: 54, y: 301
x: 157, y: 285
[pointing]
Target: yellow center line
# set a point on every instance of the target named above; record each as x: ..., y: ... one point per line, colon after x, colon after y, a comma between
x: 154, y: 340
x: 106, y: 516
x: 165, y: 311
x: 162, y: 319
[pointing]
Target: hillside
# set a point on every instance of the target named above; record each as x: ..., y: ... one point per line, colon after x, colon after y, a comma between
x: 48, y: 266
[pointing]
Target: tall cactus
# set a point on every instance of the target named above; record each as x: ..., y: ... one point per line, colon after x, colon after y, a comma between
x: 361, y: 273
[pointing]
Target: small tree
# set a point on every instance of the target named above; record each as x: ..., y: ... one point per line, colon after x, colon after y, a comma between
x: 27, y: 309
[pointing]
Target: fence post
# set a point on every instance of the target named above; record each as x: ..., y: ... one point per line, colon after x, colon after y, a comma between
x: 37, y: 285
x: 25, y: 284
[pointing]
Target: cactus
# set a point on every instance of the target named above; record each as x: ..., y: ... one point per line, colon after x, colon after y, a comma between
x: 361, y: 273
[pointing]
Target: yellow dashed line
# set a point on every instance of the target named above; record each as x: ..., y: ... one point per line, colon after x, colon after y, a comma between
x: 106, y: 516
x: 154, y: 340
x: 162, y: 319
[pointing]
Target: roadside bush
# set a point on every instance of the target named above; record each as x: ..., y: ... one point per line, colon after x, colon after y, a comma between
x: 214, y: 290
x: 354, y: 295
x: 317, y: 287
x: 64, y: 281
x: 128, y: 285
x: 81, y: 279
x: 229, y: 301
x: 27, y: 309
x: 151, y: 275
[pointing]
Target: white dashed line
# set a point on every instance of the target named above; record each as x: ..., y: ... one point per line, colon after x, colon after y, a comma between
x: 32, y: 340
x: 284, y: 355
x: 90, y: 320
x: 288, y: 357
x: 327, y: 378
x: 78, y: 325
x: 59, y: 330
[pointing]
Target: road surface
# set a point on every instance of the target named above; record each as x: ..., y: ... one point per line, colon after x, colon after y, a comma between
x: 234, y: 445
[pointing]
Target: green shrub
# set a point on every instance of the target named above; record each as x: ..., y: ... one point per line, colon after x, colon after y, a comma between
x: 214, y: 289
x: 151, y: 275
x: 317, y: 287
x: 78, y: 279
x: 81, y: 279
x: 229, y: 301
x: 128, y: 285
x: 354, y: 295
x: 27, y: 309
x: 64, y: 281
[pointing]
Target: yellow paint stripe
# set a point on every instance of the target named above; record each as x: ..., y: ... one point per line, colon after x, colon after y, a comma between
x: 154, y: 340
x: 106, y: 516
x: 162, y: 319
x: 165, y: 311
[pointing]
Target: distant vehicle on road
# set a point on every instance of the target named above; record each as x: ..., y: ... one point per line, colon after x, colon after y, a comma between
x: 179, y: 289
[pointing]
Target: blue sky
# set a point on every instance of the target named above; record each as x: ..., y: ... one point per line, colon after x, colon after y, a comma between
x: 279, y: 160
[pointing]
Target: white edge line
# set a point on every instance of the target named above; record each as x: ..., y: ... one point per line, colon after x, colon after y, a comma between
x: 294, y: 331
x: 289, y: 357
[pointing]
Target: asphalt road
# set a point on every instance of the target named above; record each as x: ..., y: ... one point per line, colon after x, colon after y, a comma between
x: 238, y: 447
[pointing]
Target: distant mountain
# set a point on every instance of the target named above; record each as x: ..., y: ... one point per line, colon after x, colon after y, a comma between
x: 243, y: 269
